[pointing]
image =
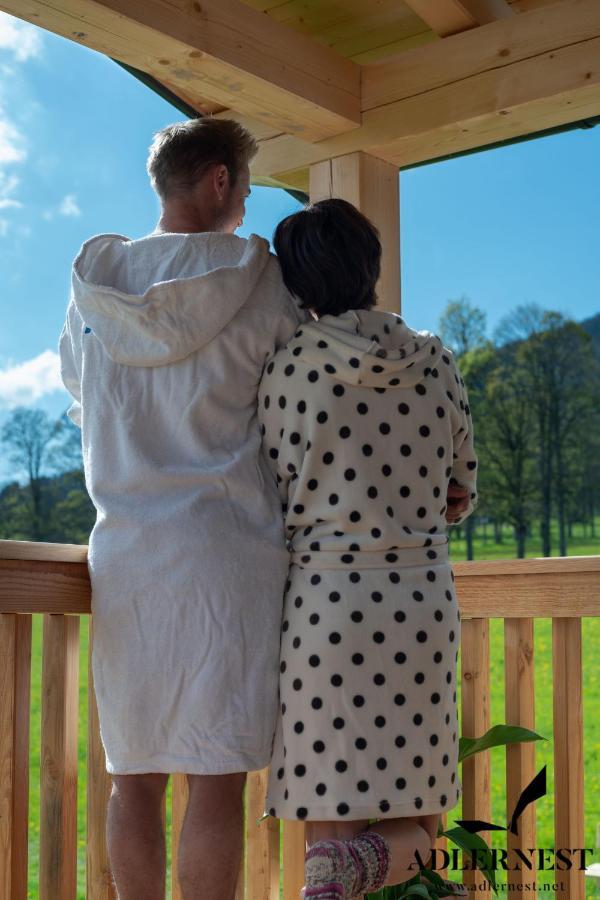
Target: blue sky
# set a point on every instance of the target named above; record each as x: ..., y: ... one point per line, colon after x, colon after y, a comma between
x: 515, y: 225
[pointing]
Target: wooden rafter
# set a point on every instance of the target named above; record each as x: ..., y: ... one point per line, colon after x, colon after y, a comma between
x: 511, y: 78
x: 219, y: 50
x: 447, y: 17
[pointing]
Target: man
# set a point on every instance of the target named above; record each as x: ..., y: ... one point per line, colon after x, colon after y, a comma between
x: 163, y: 348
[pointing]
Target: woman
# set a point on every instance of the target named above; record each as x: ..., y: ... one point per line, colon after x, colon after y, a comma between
x: 365, y: 425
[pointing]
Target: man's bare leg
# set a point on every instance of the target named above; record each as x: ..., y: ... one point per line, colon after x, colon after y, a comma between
x: 211, y: 843
x: 135, y: 836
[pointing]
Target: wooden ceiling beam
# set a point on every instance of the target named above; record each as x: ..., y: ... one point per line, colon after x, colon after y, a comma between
x: 447, y: 17
x: 510, y: 78
x: 219, y: 50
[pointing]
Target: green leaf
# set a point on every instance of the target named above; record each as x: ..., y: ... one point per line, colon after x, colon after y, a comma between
x: 434, y: 877
x: 467, y: 841
x: 417, y: 890
x: 496, y: 736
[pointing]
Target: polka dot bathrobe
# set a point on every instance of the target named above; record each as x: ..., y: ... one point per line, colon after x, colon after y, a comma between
x: 365, y: 421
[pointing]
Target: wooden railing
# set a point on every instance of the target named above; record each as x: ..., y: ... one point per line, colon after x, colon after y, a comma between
x: 53, y: 579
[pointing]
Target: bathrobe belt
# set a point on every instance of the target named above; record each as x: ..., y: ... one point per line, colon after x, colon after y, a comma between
x: 396, y: 558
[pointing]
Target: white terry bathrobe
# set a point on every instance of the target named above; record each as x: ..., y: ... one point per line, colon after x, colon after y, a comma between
x: 163, y: 350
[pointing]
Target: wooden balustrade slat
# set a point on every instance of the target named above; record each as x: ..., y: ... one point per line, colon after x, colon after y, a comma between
x: 441, y: 845
x: 294, y: 843
x: 568, y: 750
x: 262, y: 843
x: 15, y: 679
x: 240, y: 888
x: 179, y: 800
x: 100, y: 885
x: 475, y: 702
x: 519, y: 704
x: 58, y: 815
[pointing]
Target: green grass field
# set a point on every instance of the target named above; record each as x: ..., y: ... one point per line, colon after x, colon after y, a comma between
x: 543, y: 700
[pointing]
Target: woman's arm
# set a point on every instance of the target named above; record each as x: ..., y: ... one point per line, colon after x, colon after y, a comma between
x: 464, y: 465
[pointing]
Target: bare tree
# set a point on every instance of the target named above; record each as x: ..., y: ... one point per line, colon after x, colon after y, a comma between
x: 28, y: 435
x: 462, y: 326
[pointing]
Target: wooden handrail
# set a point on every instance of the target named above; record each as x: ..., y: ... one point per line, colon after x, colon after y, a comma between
x: 53, y: 578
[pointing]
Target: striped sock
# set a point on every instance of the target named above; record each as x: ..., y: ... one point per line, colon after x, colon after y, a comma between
x: 333, y: 871
x: 373, y: 853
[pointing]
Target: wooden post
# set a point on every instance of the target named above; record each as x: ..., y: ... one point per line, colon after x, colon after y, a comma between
x: 519, y: 700
x: 179, y: 801
x: 58, y: 814
x: 15, y: 679
x: 475, y: 697
x: 568, y: 751
x: 372, y: 185
x: 262, y: 842
x: 100, y: 885
x: 293, y: 858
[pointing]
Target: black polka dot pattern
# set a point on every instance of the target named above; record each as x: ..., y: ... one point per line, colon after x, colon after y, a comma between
x: 368, y: 716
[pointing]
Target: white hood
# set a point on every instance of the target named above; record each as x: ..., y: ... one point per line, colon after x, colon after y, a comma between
x: 169, y: 317
x: 373, y: 348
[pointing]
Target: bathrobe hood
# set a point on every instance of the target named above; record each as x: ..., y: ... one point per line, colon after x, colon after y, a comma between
x: 373, y: 348
x: 171, y: 319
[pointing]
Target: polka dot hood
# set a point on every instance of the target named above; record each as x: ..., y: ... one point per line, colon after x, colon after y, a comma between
x: 365, y: 422
x: 371, y: 348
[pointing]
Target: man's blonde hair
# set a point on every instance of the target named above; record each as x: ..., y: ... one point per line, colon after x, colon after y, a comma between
x: 181, y: 153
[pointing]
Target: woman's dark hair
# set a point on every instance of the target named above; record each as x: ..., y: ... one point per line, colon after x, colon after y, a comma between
x: 330, y: 257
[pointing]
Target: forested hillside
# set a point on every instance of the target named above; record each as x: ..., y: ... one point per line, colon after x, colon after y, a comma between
x: 533, y: 391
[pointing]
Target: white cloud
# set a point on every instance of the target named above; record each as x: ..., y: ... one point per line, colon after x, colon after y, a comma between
x: 26, y: 382
x: 68, y: 206
x: 11, y: 142
x: 10, y: 204
x: 20, y: 38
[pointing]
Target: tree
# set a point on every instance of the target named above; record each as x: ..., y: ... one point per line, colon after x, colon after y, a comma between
x: 462, y: 329
x: 29, y: 434
x: 503, y: 419
x: 462, y: 326
x: 559, y: 374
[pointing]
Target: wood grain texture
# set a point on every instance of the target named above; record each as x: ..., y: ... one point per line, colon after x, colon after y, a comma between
x: 372, y: 186
x: 221, y: 51
x: 28, y: 586
x: 99, y: 880
x: 294, y: 844
x: 476, y: 720
x: 519, y: 705
x: 15, y: 679
x: 447, y: 17
x: 58, y: 813
x: 510, y: 78
x: 41, y: 552
x: 262, y: 843
x: 568, y: 750
x: 179, y: 801
x: 513, y: 588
